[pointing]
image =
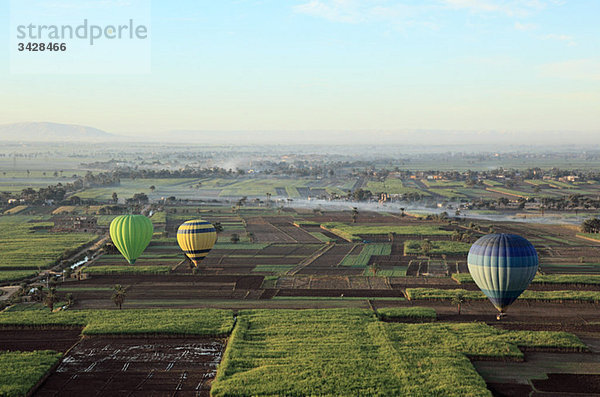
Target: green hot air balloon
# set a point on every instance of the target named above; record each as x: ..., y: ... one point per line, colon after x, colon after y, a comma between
x: 131, y: 234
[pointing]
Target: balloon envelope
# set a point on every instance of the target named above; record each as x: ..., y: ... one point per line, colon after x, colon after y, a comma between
x: 196, y: 238
x: 131, y: 234
x: 502, y: 266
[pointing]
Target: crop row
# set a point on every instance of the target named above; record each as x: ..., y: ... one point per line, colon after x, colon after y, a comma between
x: 349, y: 352
x: 368, y: 250
x: 200, y: 322
x: 576, y: 279
x: 353, y: 232
x: 541, y: 296
x: 436, y: 247
x: 20, y: 371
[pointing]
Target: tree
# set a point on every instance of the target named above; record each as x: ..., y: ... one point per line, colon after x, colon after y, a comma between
x: 250, y: 236
x: 591, y: 225
x: 140, y: 198
x: 391, y: 237
x: 152, y: 188
x: 218, y: 227
x: 456, y: 235
x: 458, y: 299
x: 354, y: 214
x: 426, y: 247
x: 115, y: 198
x: 70, y: 299
x: 51, y: 298
x: 67, y: 273
x: 235, y: 238
x: 118, y: 296
x: 374, y: 268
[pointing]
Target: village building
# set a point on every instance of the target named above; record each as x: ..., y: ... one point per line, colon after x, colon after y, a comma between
x: 85, y: 224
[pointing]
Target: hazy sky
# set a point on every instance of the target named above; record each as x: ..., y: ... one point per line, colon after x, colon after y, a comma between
x: 529, y: 65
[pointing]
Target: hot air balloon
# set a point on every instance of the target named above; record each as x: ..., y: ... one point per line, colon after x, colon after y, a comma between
x: 502, y: 266
x: 196, y: 238
x: 131, y: 234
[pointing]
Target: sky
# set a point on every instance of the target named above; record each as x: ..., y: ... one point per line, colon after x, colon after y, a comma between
x: 355, y: 66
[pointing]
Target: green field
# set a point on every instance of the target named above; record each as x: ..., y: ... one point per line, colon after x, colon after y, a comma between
x: 407, y: 313
x: 199, y: 322
x: 20, y: 371
x: 116, y: 269
x: 393, y: 186
x: 576, y: 279
x: 437, y: 247
x: 353, y: 232
x: 368, y: 250
x: 540, y: 296
x: 349, y: 352
x: 14, y: 275
x: 25, y: 249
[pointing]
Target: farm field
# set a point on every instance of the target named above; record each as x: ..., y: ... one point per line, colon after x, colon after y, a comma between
x: 349, y: 288
x: 372, y: 356
x: 28, y: 246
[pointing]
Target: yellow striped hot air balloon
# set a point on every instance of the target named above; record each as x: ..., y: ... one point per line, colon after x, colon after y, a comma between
x: 196, y: 238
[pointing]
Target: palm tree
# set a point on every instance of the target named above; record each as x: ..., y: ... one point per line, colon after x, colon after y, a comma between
x: 458, y: 299
x: 374, y: 268
x: 456, y: 235
x: 391, y: 237
x: 218, y: 227
x: 426, y: 247
x: 51, y: 298
x: 118, y: 295
x: 70, y: 299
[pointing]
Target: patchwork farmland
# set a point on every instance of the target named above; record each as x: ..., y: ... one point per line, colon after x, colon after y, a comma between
x: 353, y: 289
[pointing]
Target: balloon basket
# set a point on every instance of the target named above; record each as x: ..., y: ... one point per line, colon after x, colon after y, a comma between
x: 500, y: 316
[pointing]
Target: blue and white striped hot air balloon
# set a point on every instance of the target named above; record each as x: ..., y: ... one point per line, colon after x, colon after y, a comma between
x: 502, y: 266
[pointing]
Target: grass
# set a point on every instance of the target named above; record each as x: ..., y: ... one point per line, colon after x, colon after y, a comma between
x: 477, y: 339
x: 438, y: 247
x: 159, y: 217
x: 441, y: 294
x: 25, y: 248
x: 15, y: 275
x: 20, y: 371
x: 349, y: 352
x: 510, y: 192
x: 353, y: 232
x: 113, y: 269
x: 362, y: 259
x: 306, y: 223
x: 200, y: 322
x: 575, y: 279
x: 540, y: 296
x: 593, y: 236
x: 321, y: 236
x: 407, y: 313
x: 396, y: 271
x: 393, y: 186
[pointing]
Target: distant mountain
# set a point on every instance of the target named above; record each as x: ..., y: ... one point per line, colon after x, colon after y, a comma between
x: 51, y: 132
